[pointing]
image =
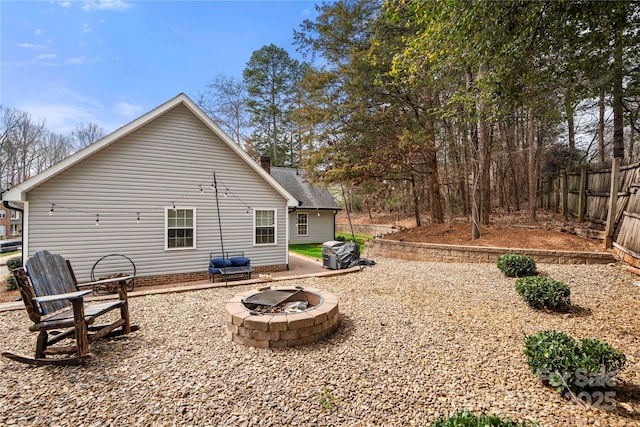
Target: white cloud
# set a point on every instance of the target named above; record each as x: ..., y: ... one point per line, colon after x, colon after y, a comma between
x: 63, y: 109
x: 74, y: 61
x: 126, y: 109
x: 38, y: 31
x: 86, y: 28
x: 65, y: 4
x: 79, y: 60
x: 30, y: 46
x: 61, y: 117
x: 117, y: 5
x: 44, y: 56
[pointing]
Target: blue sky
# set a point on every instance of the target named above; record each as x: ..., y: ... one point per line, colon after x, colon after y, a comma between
x: 109, y: 61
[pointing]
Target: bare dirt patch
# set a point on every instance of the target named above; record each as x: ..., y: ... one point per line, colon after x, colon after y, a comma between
x: 507, y: 230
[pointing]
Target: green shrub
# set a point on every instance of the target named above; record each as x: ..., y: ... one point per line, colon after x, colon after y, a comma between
x: 467, y: 419
x: 13, y: 263
x: 515, y: 265
x: 571, y: 366
x: 541, y: 292
x: 10, y: 283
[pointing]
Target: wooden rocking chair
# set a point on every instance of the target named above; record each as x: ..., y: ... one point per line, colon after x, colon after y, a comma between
x: 55, y: 303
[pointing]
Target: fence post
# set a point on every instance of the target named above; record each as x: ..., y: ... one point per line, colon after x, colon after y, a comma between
x: 613, y: 203
x: 582, y: 195
x: 565, y: 194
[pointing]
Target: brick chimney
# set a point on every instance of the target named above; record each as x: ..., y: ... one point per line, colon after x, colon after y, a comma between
x: 265, y: 162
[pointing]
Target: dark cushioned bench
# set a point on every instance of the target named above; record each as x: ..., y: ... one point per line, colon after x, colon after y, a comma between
x: 231, y: 265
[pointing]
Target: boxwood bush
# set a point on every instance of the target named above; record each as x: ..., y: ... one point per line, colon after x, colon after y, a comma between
x: 467, y: 419
x: 572, y: 366
x: 516, y: 265
x: 10, y: 282
x: 541, y: 292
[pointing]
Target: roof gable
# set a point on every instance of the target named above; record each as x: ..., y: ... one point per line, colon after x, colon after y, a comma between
x: 18, y: 193
x: 308, y: 195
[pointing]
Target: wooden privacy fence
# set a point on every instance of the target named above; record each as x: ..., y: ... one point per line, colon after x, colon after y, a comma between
x: 606, y: 198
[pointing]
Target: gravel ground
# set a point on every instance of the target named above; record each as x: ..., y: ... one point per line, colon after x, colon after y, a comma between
x: 417, y: 341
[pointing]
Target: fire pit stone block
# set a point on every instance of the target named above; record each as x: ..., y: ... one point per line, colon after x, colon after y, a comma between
x: 260, y: 323
x: 299, y: 321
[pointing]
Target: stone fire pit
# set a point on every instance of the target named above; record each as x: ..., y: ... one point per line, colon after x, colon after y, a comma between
x: 257, y: 318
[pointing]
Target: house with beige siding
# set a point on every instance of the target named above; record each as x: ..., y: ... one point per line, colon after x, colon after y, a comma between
x: 314, y: 219
x: 148, y: 191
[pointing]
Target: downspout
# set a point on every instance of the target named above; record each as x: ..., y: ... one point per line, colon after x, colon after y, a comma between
x: 7, y: 204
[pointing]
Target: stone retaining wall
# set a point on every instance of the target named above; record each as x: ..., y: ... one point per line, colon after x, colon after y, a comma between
x: 451, y: 253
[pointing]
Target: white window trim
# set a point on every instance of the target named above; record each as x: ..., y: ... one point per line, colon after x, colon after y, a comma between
x: 307, y: 224
x: 275, y: 226
x: 166, y: 228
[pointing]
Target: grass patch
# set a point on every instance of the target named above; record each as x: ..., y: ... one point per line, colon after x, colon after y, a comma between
x: 315, y: 250
x: 10, y: 253
x: 360, y: 238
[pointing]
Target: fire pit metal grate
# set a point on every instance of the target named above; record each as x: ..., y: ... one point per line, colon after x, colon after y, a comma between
x: 271, y: 298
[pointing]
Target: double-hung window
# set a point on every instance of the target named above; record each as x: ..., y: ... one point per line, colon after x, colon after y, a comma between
x: 265, y: 227
x: 302, y: 224
x: 180, y: 228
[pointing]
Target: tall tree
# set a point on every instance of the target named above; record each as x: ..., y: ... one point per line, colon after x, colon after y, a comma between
x: 9, y: 124
x: 369, y: 126
x: 84, y: 135
x: 270, y: 78
x: 224, y: 101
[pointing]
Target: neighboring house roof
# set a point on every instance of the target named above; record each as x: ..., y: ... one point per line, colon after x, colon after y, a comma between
x: 18, y: 193
x: 309, y: 196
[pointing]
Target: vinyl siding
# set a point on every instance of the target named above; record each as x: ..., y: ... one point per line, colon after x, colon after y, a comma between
x: 167, y: 161
x: 321, y: 228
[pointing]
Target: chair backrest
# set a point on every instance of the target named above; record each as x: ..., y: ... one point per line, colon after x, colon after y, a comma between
x: 50, y: 275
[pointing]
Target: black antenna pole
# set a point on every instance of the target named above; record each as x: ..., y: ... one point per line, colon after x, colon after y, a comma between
x: 215, y: 187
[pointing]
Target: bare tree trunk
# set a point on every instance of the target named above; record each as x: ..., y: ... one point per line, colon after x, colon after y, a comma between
x: 485, y: 172
x: 475, y: 209
x: 601, y: 126
x: 437, y: 213
x: 476, y: 193
x: 570, y: 127
x: 484, y: 157
x: 532, y: 169
x: 275, y: 144
x: 618, y: 108
x: 416, y: 201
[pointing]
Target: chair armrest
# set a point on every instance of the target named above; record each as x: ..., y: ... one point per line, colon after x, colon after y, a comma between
x: 105, y: 281
x: 69, y: 296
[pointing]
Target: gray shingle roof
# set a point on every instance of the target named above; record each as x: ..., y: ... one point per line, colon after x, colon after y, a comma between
x: 309, y: 196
